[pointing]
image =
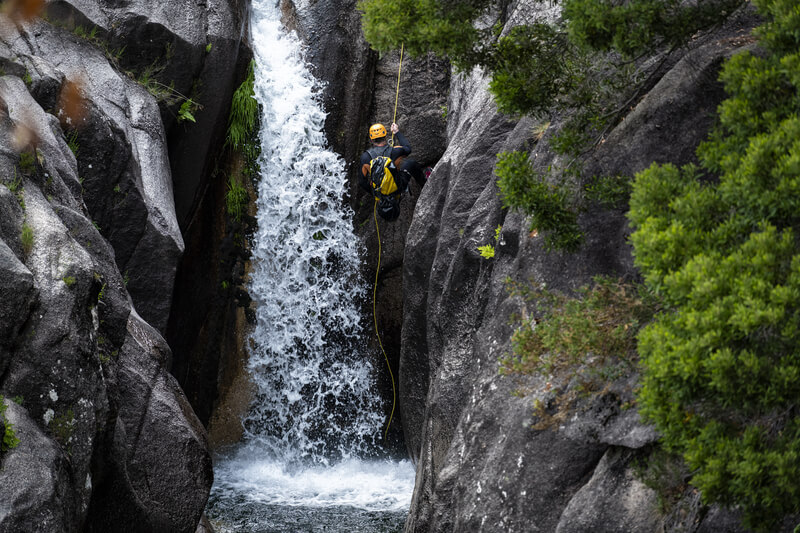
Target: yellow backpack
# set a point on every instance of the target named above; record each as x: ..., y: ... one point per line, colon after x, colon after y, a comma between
x: 382, y: 172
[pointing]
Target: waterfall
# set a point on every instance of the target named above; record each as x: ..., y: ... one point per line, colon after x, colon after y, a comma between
x: 316, y: 397
x: 312, y: 434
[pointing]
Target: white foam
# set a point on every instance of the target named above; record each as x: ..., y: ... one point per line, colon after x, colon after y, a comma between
x: 378, y: 485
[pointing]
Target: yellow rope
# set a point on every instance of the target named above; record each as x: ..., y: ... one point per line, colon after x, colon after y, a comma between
x: 377, y: 270
x: 375, y: 318
x: 397, y: 91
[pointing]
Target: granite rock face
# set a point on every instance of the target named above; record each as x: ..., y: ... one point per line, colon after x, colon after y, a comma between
x: 90, y: 241
x: 487, y: 458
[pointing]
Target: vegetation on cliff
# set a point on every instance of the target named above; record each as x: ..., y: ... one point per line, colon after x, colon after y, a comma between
x: 722, y: 367
x: 717, y: 244
x: 584, y: 67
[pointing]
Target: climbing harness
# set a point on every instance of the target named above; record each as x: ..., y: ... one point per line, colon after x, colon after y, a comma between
x: 378, y: 269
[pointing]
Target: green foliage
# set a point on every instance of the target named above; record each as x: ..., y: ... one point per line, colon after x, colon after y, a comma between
x: 26, y: 238
x: 609, y: 191
x: 548, y: 205
x: 62, y: 427
x: 638, y: 26
x: 242, y: 137
x: 72, y: 142
x: 588, y: 340
x: 27, y: 162
x: 722, y: 367
x: 530, y: 69
x: 166, y: 93
x: 10, y: 440
x: 83, y: 33
x: 15, y: 185
x: 426, y: 26
x: 666, y: 474
x: 186, y: 109
x: 243, y: 119
x: 486, y: 251
x: 601, y: 321
x: 69, y: 281
x: 208, y: 48
x: 236, y: 199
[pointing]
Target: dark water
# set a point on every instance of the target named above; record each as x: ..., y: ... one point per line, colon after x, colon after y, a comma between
x: 230, y: 516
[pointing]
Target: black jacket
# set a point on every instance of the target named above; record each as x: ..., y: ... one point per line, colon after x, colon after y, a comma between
x: 401, y: 149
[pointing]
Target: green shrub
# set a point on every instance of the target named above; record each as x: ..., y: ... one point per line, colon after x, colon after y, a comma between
x: 547, y: 205
x: 424, y: 26
x: 236, y: 199
x: 486, y: 251
x: 588, y: 340
x: 531, y: 67
x: 637, y: 26
x: 602, y: 320
x: 72, y: 142
x: 27, y: 161
x: 62, y: 427
x: 243, y: 119
x: 609, y: 191
x: 188, y: 107
x: 721, y: 367
x: 666, y: 474
x: 10, y: 440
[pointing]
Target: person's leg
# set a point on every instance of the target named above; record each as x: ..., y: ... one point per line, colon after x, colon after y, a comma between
x: 415, y: 170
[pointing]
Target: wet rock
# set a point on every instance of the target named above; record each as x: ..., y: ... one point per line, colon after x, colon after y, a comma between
x: 16, y: 284
x: 38, y: 493
x: 158, y: 467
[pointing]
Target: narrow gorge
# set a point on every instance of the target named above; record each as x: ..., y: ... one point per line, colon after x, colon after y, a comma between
x: 188, y: 311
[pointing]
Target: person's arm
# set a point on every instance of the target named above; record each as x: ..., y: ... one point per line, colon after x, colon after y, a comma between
x: 363, y: 181
x: 401, y: 145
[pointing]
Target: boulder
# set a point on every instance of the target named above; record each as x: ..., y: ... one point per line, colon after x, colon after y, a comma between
x: 158, y: 469
x: 614, y: 500
x: 16, y: 285
x: 38, y: 493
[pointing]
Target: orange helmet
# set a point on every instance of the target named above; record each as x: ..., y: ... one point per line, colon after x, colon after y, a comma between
x: 376, y: 131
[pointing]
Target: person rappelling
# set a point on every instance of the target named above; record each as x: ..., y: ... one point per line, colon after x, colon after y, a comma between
x: 386, y: 170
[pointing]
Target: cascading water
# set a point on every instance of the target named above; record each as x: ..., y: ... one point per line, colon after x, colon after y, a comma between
x: 309, y: 458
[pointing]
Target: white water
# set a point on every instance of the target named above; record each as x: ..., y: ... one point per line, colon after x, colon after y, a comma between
x: 312, y: 435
